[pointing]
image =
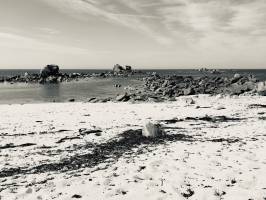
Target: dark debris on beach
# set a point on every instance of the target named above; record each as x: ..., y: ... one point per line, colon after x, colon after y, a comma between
x: 108, y: 152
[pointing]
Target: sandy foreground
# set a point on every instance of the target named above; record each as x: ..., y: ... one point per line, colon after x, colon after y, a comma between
x: 87, y: 151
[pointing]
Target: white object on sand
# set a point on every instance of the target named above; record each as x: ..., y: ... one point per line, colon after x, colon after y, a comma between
x: 151, y: 130
x: 261, y: 88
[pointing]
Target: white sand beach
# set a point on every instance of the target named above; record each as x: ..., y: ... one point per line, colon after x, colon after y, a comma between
x: 64, y: 150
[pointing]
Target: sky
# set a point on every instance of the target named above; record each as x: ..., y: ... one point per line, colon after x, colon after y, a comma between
x: 140, y: 33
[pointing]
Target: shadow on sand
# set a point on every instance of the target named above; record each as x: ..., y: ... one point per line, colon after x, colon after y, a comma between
x: 108, y: 152
x: 114, y: 148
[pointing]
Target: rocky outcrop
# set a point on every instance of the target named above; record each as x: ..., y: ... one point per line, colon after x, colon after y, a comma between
x: 50, y: 74
x: 120, y: 70
x: 174, y: 86
x: 49, y: 70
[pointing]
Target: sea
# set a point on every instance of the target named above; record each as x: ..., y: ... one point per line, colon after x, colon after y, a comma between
x: 21, y: 93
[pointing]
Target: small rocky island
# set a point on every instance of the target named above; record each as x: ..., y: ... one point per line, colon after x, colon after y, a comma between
x: 51, y: 74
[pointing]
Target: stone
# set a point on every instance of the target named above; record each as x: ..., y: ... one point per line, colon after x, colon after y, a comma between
x: 117, y: 85
x: 165, y: 84
x: 76, y: 196
x: 26, y: 74
x: 128, y: 68
x: 237, y: 76
x: 154, y: 99
x: 51, y: 79
x: 29, y: 191
x: 152, y: 130
x: 220, y: 108
x: 123, y: 97
x: 261, y: 88
x: 189, y: 91
x: 93, y: 100
x: 190, y: 101
x: 118, y: 69
x: 49, y: 70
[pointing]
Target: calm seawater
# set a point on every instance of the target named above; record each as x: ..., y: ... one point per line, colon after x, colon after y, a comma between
x: 82, y: 90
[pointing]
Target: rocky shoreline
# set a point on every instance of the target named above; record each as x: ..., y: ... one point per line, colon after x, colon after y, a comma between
x: 155, y: 87
x: 158, y: 88
x: 51, y: 74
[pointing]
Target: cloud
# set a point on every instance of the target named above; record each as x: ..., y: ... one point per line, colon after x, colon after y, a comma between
x: 170, y: 22
x: 197, y: 30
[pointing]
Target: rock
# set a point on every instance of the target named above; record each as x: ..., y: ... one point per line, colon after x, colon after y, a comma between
x: 237, y: 76
x: 154, y: 99
x: 152, y: 130
x: 128, y: 68
x: 74, y: 75
x: 219, y: 96
x: 139, y: 98
x: 220, y: 108
x: 261, y: 88
x: 190, y: 101
x: 165, y: 84
x: 123, y: 97
x: 105, y: 100
x: 26, y: 74
x: 60, y: 79
x: 76, y: 196
x: 71, y: 100
x: 29, y: 191
x: 98, y: 134
x: 51, y: 79
x: 189, y: 91
x: 93, y: 100
x: 117, y: 85
x: 118, y: 69
x: 49, y: 70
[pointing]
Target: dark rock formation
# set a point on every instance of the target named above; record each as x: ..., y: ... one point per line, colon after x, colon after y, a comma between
x: 50, y: 74
x: 49, y: 70
x: 174, y: 86
x: 123, y: 97
x: 118, y: 69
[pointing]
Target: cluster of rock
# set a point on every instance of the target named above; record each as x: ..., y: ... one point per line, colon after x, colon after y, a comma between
x: 212, y: 71
x: 174, y: 86
x: 52, y: 74
x: 49, y: 74
x: 120, y: 70
x: 158, y: 88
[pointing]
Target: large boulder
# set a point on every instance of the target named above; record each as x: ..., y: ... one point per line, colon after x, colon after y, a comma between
x: 49, y: 70
x: 128, y: 68
x: 118, y: 69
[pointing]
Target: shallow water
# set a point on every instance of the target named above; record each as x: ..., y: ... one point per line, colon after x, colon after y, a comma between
x: 82, y: 90
x: 79, y: 90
